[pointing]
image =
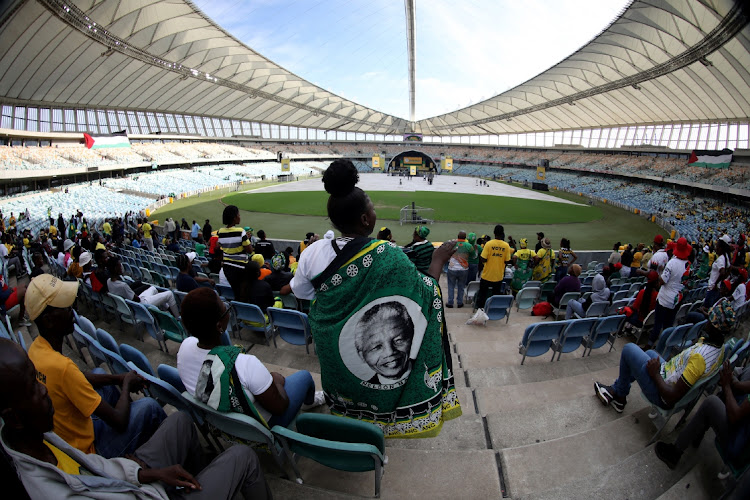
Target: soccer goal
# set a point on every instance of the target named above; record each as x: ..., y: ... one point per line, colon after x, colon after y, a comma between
x: 416, y: 215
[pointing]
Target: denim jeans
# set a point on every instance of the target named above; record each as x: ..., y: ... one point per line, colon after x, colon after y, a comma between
x: 300, y: 388
x: 145, y: 416
x: 473, y: 270
x: 574, y: 307
x: 663, y: 318
x: 633, y: 367
x: 456, y: 279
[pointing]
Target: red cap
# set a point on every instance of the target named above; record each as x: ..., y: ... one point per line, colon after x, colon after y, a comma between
x: 617, y: 266
x: 659, y: 239
x: 743, y: 274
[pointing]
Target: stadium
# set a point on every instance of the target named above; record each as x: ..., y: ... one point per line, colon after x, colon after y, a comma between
x: 135, y: 113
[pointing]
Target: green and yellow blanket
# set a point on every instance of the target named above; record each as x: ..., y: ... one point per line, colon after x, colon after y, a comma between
x: 380, y: 334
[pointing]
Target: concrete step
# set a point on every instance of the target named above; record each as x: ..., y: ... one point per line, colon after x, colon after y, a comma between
x: 700, y: 483
x: 515, y: 373
x: 507, y: 355
x: 463, y: 433
x: 414, y: 474
x: 520, y: 427
x: 541, y: 396
x: 639, y: 476
x: 535, y: 468
x: 286, y: 489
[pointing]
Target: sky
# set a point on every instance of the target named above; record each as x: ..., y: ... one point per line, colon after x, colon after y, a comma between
x: 467, y: 50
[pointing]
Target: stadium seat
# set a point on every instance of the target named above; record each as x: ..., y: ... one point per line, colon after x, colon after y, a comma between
x: 527, y: 297
x: 572, y: 336
x: 538, y: 338
x: 498, y: 307
x: 292, y: 326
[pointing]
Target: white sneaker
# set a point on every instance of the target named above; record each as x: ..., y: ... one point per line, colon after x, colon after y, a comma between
x: 24, y: 322
x: 319, y: 400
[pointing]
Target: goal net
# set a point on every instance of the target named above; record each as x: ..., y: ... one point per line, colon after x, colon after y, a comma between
x: 411, y: 214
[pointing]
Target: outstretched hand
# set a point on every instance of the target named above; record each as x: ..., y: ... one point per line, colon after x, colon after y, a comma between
x: 653, y: 367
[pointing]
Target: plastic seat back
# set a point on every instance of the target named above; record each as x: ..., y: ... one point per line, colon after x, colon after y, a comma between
x: 532, y: 284
x: 107, y: 341
x: 292, y: 326
x: 527, y: 296
x: 692, y: 334
x: 249, y: 316
x: 597, y: 309
x: 605, y: 331
x: 498, y: 307
x: 92, y: 345
x: 567, y: 297
x: 339, y: 443
x: 169, y: 325
x: 225, y: 291
x: 573, y: 335
x: 538, y: 338
x: 170, y: 375
x: 146, y: 320
x: 124, y: 314
x: 131, y: 354
x: 472, y: 287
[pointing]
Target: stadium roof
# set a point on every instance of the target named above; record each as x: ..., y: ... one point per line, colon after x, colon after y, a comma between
x: 661, y: 61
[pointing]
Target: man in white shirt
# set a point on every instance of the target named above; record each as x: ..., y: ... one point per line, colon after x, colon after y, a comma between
x: 719, y: 271
x: 660, y: 258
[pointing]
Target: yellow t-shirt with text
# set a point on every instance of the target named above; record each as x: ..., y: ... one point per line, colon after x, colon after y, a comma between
x: 496, y: 253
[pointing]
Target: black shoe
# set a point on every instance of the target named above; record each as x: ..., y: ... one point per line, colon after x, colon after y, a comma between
x: 668, y: 453
x: 450, y: 306
x: 607, y: 396
x: 459, y: 306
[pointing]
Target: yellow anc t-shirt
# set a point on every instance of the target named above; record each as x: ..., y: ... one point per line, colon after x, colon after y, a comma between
x: 146, y: 227
x: 496, y: 253
x: 73, y: 397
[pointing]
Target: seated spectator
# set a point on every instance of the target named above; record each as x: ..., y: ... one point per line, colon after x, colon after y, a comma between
x: 168, y: 465
x: 172, y: 246
x: 664, y: 383
x: 185, y: 281
x: 278, y: 277
x: 645, y: 301
x: 600, y: 293
x: 12, y: 297
x: 264, y: 270
x: 276, y: 398
x: 254, y: 290
x: 146, y: 293
x: 74, y: 269
x: 10, y: 258
x: 385, y: 234
x: 38, y: 268
x: 569, y: 283
x: 200, y: 246
x: 121, y: 424
x: 264, y: 247
x: 728, y: 414
x: 99, y: 277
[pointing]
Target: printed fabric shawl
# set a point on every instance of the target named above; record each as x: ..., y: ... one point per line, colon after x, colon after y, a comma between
x: 380, y: 334
x: 219, y: 386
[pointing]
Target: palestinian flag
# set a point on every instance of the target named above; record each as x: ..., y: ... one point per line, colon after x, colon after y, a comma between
x: 116, y: 140
x: 714, y: 159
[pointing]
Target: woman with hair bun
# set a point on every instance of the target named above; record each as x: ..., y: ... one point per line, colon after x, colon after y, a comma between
x: 403, y: 385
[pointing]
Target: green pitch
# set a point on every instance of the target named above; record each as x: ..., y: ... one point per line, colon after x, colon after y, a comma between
x: 448, y: 207
x: 291, y: 215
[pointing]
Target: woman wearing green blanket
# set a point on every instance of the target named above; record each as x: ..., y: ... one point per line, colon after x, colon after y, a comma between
x: 377, y: 321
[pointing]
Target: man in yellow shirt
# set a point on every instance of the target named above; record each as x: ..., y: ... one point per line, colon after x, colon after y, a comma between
x: 146, y: 228
x: 494, y: 256
x: 121, y: 425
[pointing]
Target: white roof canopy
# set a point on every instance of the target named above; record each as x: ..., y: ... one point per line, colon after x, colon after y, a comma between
x: 661, y: 61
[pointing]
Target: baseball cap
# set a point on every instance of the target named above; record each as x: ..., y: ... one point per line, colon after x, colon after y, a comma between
x: 46, y: 290
x: 191, y: 256
x: 659, y: 239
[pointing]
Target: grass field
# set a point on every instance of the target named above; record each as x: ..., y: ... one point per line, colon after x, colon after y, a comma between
x: 448, y: 207
x: 588, y: 228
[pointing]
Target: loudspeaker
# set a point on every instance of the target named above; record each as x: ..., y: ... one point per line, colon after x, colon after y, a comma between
x: 539, y: 186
